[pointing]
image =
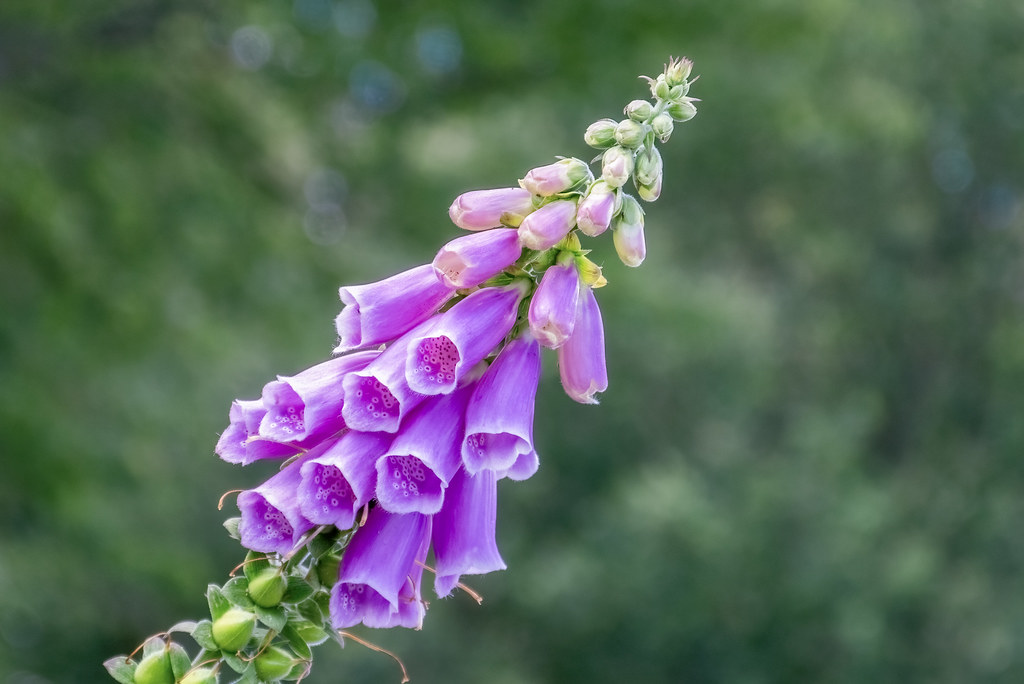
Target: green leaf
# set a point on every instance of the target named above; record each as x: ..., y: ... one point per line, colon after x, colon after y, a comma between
x: 297, y: 643
x: 121, y: 669
x: 299, y: 671
x: 310, y: 632
x: 219, y: 603
x: 274, y: 618
x: 237, y: 592
x: 180, y: 661
x: 254, y: 563
x: 320, y: 545
x: 310, y: 610
x: 298, y: 590
x: 248, y: 676
x: 235, y: 663
x: 203, y: 635
x: 231, y: 525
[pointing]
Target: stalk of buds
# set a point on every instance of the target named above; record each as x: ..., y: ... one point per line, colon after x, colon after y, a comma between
x: 395, y: 447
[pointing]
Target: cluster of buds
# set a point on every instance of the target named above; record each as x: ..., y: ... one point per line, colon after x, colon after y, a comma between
x: 393, y: 449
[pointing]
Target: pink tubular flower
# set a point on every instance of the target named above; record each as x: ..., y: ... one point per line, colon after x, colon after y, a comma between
x: 379, y: 312
x: 555, y: 178
x: 309, y: 404
x: 463, y: 533
x: 628, y: 234
x: 461, y: 337
x: 483, y: 209
x: 342, y: 479
x: 379, y: 564
x: 596, y: 209
x: 271, y: 518
x: 546, y: 227
x: 469, y: 260
x: 241, y: 443
x: 581, y: 362
x: 412, y: 475
x: 553, y: 307
x: 499, y: 417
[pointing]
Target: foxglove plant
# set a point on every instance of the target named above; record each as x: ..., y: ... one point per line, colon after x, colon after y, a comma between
x: 394, y: 448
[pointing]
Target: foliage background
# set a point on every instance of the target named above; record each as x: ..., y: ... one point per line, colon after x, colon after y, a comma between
x: 808, y: 466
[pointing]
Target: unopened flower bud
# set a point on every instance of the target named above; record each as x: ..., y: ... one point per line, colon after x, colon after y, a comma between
x: 678, y: 70
x: 555, y: 178
x: 648, y: 166
x: 154, y: 669
x: 595, y: 211
x: 638, y: 110
x: 662, y: 125
x: 629, y: 133
x: 682, y: 111
x: 233, y: 629
x: 660, y: 88
x: 600, y: 134
x: 267, y: 588
x: 651, y: 191
x: 616, y: 166
x: 201, y: 675
x: 628, y: 234
x: 679, y: 91
x: 483, y: 209
x: 274, y: 664
x: 547, y: 226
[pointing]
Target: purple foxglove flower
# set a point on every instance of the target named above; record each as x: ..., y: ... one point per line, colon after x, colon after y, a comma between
x: 628, y: 234
x: 412, y: 475
x: 378, y: 397
x: 463, y: 533
x: 381, y: 311
x: 460, y: 338
x: 483, y: 209
x: 271, y: 518
x: 553, y: 307
x: 581, y: 362
x: 596, y: 209
x: 376, y: 570
x: 499, y: 417
x: 523, y: 469
x: 469, y: 260
x: 616, y: 166
x: 547, y: 226
x: 309, y: 403
x: 240, y: 443
x: 555, y: 178
x: 342, y: 479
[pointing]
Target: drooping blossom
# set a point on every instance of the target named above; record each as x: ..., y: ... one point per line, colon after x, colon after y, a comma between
x: 241, y: 443
x: 379, y: 312
x: 628, y: 234
x: 616, y: 166
x: 552, y: 313
x: 596, y: 210
x: 341, y: 480
x: 483, y: 209
x: 463, y: 534
x: 469, y: 260
x: 272, y: 519
x: 554, y: 178
x: 546, y: 227
x: 499, y: 417
x: 581, y: 361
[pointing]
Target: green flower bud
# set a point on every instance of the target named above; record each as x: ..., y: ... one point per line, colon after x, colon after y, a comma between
x: 629, y: 133
x: 600, y: 134
x: 202, y: 675
x: 648, y: 166
x: 662, y: 126
x: 233, y: 629
x: 638, y: 110
x: 679, y: 91
x: 267, y: 588
x: 678, y: 70
x: 660, y: 88
x: 274, y: 663
x: 154, y: 669
x: 682, y: 111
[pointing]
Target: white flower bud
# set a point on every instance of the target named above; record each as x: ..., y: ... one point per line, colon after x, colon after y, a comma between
x: 629, y: 133
x: 682, y: 111
x: 616, y: 166
x: 638, y: 110
x: 600, y: 134
x: 662, y: 126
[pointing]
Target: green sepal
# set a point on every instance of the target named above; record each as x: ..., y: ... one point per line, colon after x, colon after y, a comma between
x: 275, y: 618
x: 254, y: 563
x: 219, y: 603
x: 203, y: 635
x: 237, y: 592
x: 248, y: 676
x: 310, y: 611
x: 298, y: 590
x: 121, y: 669
x: 297, y: 643
x: 180, y: 662
x: 323, y: 599
x: 320, y: 545
x: 231, y: 525
x: 299, y: 671
x: 235, y: 663
x: 153, y: 645
x: 185, y: 626
x: 327, y: 571
x: 310, y: 632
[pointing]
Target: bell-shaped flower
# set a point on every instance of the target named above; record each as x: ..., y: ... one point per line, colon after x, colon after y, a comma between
x: 460, y: 338
x: 272, y: 521
x: 628, y: 233
x: 547, y: 226
x: 469, y: 260
x: 555, y: 178
x: 426, y: 453
x: 552, y: 312
x: 378, y: 397
x: 581, y: 361
x: 499, y: 417
x: 483, y: 209
x: 342, y: 479
x: 523, y: 469
x: 596, y: 209
x: 241, y: 443
x: 464, y: 542
x: 379, y: 312
x: 377, y: 568
x: 309, y: 404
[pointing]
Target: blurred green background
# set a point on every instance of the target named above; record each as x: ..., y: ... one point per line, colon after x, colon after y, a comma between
x: 809, y: 465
